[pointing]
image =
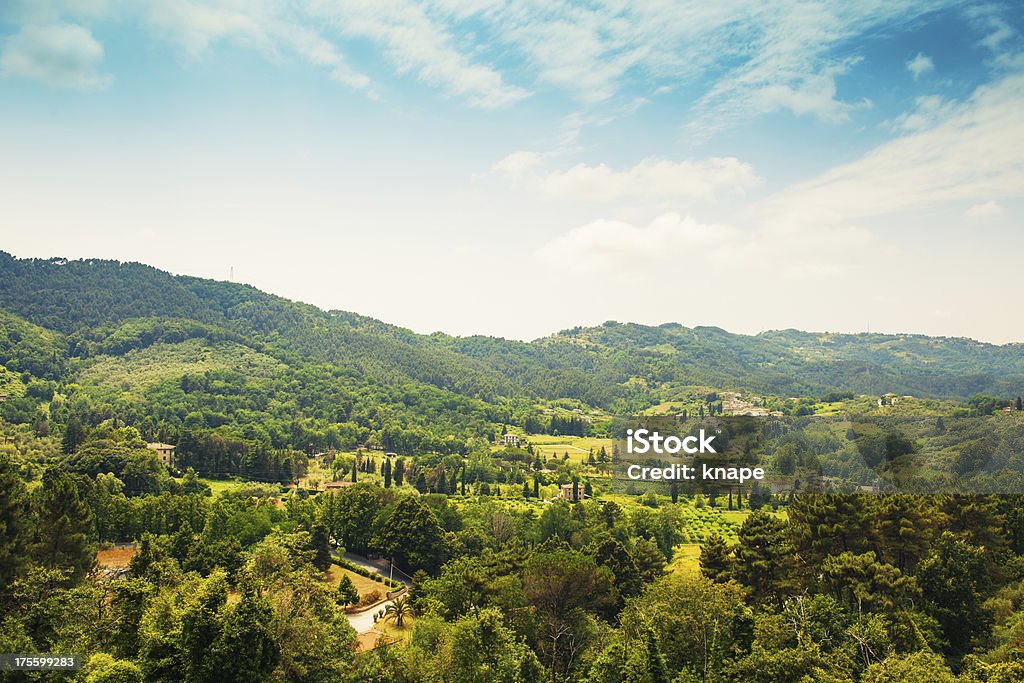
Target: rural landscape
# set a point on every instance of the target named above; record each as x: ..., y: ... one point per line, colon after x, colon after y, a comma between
x: 205, y: 482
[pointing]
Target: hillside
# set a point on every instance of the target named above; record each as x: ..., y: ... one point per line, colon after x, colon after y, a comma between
x: 97, y: 340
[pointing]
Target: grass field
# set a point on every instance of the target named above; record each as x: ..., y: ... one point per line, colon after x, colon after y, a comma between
x: 364, y: 585
x: 578, y: 447
x: 218, y: 486
x: 686, y: 558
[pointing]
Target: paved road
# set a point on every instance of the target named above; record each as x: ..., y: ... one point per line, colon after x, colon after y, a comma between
x: 363, y: 621
x: 372, y: 566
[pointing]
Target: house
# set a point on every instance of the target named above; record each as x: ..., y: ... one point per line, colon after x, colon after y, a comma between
x: 510, y: 439
x: 164, y: 451
x: 565, y: 492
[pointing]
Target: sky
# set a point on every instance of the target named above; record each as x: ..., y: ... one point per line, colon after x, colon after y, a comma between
x: 518, y: 168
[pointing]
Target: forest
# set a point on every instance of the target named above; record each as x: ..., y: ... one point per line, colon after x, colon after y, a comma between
x: 481, y: 473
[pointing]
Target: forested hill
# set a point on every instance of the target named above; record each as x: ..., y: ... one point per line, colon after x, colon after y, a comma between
x: 58, y: 311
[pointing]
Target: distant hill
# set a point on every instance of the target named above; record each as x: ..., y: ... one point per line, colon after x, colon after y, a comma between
x: 217, y: 354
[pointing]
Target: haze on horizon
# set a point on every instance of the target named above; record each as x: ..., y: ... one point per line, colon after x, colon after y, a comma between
x: 515, y: 169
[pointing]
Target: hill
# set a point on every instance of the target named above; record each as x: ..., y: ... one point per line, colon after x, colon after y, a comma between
x: 99, y: 340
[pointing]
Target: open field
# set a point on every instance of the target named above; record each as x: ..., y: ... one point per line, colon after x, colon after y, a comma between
x: 109, y: 558
x: 578, y: 447
x: 686, y: 558
x: 364, y: 585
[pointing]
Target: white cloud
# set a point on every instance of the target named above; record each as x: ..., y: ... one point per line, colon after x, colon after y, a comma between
x: 318, y: 31
x: 614, y: 245
x: 650, y: 178
x: 519, y: 163
x: 783, y: 55
x: 417, y: 43
x: 920, y: 65
x: 929, y: 110
x: 984, y: 210
x: 970, y: 151
x: 734, y: 258
x: 815, y: 95
x: 61, y: 55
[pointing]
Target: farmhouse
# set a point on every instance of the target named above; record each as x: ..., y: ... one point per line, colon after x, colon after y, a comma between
x: 164, y: 451
x: 565, y: 492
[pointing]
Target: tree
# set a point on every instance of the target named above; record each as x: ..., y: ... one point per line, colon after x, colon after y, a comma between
x: 386, y: 468
x: 351, y: 514
x: 102, y: 668
x: 613, y: 555
x: 245, y: 649
x: 397, y: 611
x: 319, y: 541
x: 421, y: 483
x: 916, y: 667
x: 412, y: 536
x: 955, y: 582
x: 63, y: 528
x: 399, y: 471
x: 764, y: 557
x: 864, y: 584
x: 824, y: 524
x: 564, y: 586
x: 74, y: 435
x: 14, y: 520
x: 526, y: 489
x: 697, y: 623
x: 347, y: 593
x: 716, y: 561
x: 480, y: 648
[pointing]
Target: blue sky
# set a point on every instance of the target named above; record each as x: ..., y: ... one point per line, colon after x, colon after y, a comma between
x: 515, y: 168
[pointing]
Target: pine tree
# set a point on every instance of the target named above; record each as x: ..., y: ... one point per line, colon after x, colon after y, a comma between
x: 536, y: 487
x: 421, y: 483
x: 442, y: 482
x: 526, y: 489
x: 347, y: 593
x: 716, y: 559
x: 63, y: 529
x: 387, y: 473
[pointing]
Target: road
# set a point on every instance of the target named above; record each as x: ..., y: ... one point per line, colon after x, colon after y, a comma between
x: 363, y: 621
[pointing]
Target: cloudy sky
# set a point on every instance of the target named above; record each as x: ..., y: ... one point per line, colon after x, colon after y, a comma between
x: 516, y: 168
